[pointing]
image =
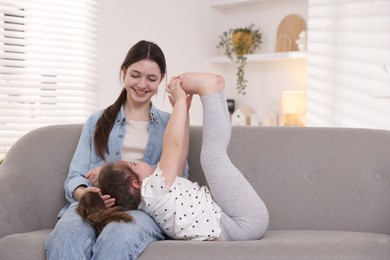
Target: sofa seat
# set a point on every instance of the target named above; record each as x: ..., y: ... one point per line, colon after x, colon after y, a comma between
x: 280, y: 244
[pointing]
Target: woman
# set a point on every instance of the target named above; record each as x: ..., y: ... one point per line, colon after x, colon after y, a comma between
x: 183, y: 209
x: 130, y: 129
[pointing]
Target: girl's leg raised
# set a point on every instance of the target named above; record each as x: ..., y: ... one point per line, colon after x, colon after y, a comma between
x: 245, y: 216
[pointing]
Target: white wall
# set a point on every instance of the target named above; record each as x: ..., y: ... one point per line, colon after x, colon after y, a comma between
x: 180, y: 28
x: 188, y: 31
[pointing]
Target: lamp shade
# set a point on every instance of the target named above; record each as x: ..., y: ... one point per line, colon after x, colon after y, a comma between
x: 293, y: 102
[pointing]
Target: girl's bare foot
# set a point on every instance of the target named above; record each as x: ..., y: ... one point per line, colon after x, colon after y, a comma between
x: 202, y: 83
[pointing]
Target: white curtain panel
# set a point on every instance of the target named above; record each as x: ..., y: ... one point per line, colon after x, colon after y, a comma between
x: 348, y: 62
x: 48, y: 64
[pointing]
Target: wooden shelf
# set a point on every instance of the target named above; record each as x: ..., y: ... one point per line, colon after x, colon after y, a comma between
x: 222, y: 4
x: 263, y: 57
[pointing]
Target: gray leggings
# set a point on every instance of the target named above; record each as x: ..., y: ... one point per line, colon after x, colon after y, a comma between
x: 244, y: 216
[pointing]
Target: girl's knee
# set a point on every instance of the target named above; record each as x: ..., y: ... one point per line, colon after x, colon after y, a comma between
x: 246, y: 228
x: 261, y: 223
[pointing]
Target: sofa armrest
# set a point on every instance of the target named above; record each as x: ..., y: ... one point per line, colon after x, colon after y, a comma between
x: 32, y: 178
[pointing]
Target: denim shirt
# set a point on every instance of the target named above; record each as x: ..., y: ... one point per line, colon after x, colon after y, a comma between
x: 85, y: 157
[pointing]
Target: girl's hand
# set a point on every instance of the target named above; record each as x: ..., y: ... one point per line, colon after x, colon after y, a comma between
x: 93, y: 175
x: 189, y: 101
x: 175, y: 90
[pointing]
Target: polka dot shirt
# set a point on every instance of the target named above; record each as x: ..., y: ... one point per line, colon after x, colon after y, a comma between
x: 184, y: 210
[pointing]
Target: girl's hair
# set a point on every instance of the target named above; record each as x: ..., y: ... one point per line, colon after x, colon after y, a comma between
x: 140, y: 51
x: 115, y: 180
x: 92, y: 209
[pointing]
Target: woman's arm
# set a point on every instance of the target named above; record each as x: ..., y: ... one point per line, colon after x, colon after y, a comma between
x: 80, y: 163
x: 171, y: 162
x: 80, y: 177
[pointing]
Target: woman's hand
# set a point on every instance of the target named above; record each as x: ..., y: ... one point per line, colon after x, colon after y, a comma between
x: 108, y: 201
x: 93, y: 175
x: 80, y: 191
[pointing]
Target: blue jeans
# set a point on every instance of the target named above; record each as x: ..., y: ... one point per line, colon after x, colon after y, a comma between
x: 73, y: 238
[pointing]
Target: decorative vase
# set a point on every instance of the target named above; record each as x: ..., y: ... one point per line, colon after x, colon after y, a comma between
x: 302, y: 41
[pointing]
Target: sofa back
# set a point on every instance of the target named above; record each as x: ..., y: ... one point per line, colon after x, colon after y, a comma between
x: 32, y: 178
x: 313, y: 178
x: 309, y: 178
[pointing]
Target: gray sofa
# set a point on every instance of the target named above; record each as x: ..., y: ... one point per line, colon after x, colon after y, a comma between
x: 327, y: 191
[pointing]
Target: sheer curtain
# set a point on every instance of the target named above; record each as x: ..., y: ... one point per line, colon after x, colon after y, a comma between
x: 48, y: 64
x: 349, y: 63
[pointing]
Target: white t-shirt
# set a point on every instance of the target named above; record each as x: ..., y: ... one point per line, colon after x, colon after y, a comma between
x: 184, y: 211
x: 135, y: 140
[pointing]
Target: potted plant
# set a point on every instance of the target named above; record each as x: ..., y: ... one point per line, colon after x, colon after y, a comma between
x: 237, y: 42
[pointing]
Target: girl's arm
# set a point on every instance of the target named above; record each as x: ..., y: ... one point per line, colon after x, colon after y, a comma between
x: 186, y: 140
x: 186, y: 144
x: 175, y: 140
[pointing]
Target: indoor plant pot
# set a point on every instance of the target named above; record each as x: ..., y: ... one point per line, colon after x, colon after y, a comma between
x: 238, y: 42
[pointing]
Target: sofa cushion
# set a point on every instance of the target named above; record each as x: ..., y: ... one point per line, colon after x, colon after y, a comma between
x: 285, y: 244
x: 24, y: 245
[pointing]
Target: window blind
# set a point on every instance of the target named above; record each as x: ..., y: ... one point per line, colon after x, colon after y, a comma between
x: 348, y: 61
x: 48, y: 64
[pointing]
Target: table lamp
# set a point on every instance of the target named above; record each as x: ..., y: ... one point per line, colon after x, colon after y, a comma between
x: 293, y: 108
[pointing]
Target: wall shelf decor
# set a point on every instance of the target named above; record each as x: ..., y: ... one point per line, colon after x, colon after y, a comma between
x: 263, y: 57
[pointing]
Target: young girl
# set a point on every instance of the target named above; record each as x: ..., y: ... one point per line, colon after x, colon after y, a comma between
x: 130, y: 129
x: 183, y: 209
